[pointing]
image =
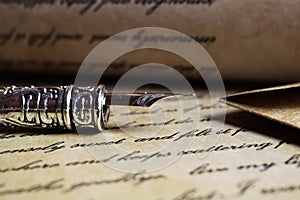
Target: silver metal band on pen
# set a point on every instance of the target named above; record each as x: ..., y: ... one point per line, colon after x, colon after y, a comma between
x: 54, y: 107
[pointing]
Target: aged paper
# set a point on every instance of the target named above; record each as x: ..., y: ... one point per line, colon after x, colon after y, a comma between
x: 277, y: 103
x: 248, y: 40
x: 246, y: 158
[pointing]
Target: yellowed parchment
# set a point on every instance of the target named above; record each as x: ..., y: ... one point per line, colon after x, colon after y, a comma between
x: 248, y: 40
x: 247, y: 158
x: 277, y: 103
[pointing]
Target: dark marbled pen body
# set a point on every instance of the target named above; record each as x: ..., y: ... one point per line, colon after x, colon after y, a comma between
x: 64, y: 107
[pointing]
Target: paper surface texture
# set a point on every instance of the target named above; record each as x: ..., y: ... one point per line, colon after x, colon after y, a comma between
x: 276, y: 103
x: 244, y: 158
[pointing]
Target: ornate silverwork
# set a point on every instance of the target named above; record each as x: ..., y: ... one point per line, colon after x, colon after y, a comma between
x: 53, y: 107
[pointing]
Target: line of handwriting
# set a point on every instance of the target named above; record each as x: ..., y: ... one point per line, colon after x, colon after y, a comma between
x: 58, y: 184
x: 98, y: 4
x: 206, y: 168
x: 172, y: 137
x: 72, y: 66
x: 138, y: 155
x: 53, y: 37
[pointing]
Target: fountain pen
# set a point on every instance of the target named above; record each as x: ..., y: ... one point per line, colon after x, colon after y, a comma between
x: 65, y: 107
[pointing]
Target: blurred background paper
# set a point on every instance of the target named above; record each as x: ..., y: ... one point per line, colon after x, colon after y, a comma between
x: 248, y: 40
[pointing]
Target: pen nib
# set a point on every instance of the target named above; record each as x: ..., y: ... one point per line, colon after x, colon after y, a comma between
x: 137, y: 99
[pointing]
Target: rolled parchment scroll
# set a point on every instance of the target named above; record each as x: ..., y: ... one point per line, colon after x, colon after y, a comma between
x: 248, y: 40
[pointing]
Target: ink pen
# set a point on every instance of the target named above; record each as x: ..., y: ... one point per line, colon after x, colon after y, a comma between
x: 65, y: 107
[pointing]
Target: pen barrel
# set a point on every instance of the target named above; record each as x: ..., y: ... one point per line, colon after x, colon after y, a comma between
x: 66, y: 107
